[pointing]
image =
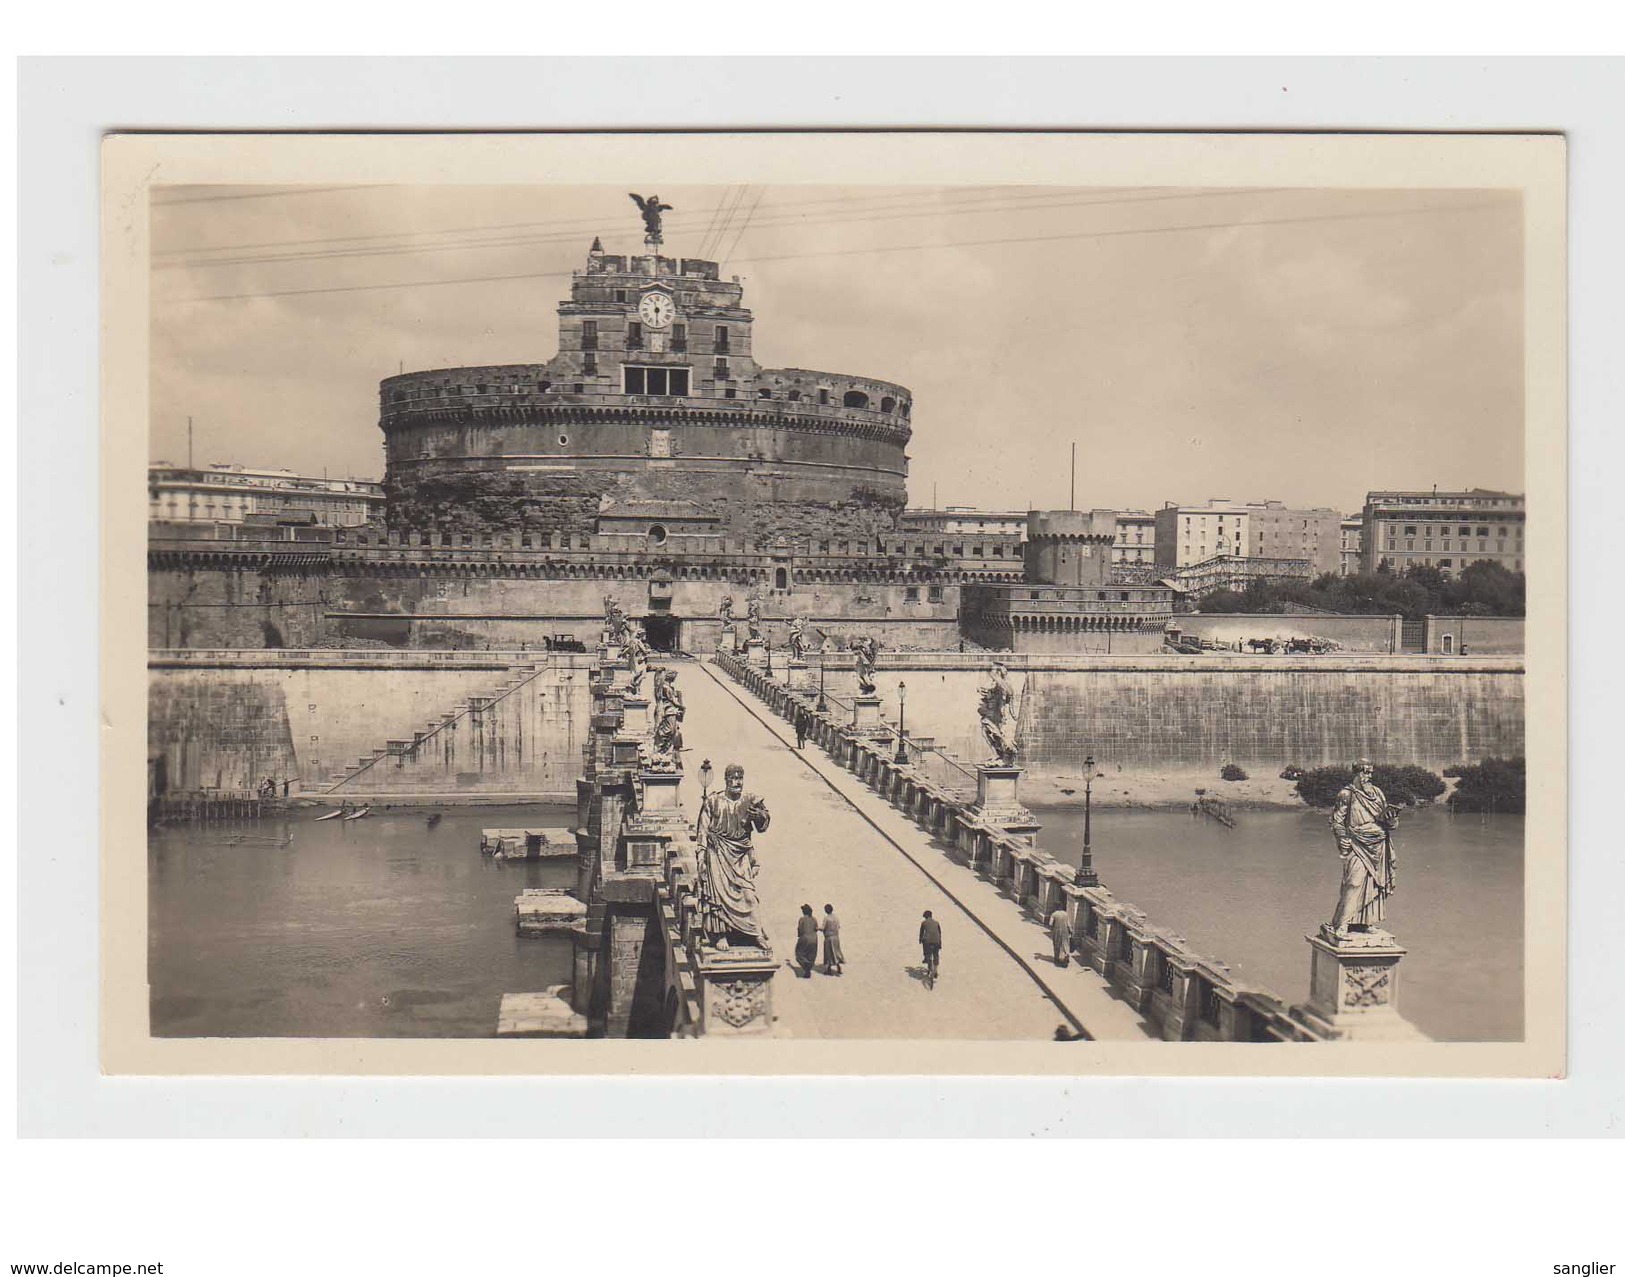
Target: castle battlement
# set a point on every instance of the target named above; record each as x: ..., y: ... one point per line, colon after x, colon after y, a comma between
x: 654, y: 395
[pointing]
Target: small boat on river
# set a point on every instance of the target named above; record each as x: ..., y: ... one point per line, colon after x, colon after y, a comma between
x: 434, y: 819
x: 331, y: 815
x: 358, y: 813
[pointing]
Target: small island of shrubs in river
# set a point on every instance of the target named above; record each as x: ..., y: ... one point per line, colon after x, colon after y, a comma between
x: 1494, y: 785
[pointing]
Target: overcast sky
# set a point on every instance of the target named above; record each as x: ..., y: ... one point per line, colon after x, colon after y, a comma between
x: 1304, y: 345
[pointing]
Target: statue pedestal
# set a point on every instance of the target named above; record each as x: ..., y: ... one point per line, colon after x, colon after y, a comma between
x: 1354, y: 990
x: 728, y: 640
x: 736, y: 991
x: 799, y: 675
x: 756, y: 654
x: 635, y: 720
x: 662, y: 795
x: 611, y: 653
x: 866, y: 713
x: 998, y: 800
x: 657, y: 828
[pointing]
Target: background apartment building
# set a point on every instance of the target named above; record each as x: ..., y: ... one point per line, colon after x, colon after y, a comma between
x: 233, y: 494
x: 1187, y: 534
x: 1277, y: 532
x: 1136, y: 538
x: 1350, y: 535
x: 1448, y: 530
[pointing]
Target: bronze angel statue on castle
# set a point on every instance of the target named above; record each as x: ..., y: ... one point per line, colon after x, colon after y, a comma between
x: 651, y: 208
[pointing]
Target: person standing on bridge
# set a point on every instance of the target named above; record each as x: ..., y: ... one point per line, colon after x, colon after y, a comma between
x: 806, y: 942
x: 1060, y: 934
x: 834, y: 958
x: 930, y: 942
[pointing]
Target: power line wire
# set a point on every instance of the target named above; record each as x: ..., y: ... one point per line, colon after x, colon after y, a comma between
x: 265, y: 195
x: 891, y: 248
x: 568, y: 229
x: 1035, y: 204
x: 743, y: 226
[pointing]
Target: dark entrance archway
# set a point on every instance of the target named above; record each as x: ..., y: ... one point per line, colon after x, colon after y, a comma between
x: 664, y: 632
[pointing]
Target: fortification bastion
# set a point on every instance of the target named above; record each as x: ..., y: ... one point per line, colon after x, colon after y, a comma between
x: 653, y: 402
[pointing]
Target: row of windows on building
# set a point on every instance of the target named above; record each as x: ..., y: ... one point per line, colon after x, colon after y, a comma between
x: 1461, y: 547
x: 721, y: 344
x: 174, y: 506
x: 1443, y: 530
x: 1418, y: 560
x: 1122, y: 596
x: 1503, y: 543
x: 465, y: 540
x: 529, y: 541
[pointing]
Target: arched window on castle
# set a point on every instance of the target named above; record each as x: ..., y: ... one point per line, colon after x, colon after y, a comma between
x: 888, y: 404
x: 855, y: 399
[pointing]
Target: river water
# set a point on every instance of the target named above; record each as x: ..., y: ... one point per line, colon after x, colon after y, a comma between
x: 1247, y: 896
x: 379, y: 927
x: 385, y: 928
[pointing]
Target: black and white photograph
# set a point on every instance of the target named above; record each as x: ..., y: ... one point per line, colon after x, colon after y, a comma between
x: 891, y: 602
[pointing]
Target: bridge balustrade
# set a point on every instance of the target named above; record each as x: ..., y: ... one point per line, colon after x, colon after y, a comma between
x: 1186, y: 996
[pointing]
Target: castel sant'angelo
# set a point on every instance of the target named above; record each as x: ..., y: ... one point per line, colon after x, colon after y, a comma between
x: 651, y: 460
x: 654, y: 417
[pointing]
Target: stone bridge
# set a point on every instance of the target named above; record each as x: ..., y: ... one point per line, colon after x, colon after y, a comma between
x: 881, y: 840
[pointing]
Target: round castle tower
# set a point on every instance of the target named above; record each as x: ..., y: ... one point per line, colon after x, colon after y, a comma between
x: 1070, y: 547
x: 654, y: 419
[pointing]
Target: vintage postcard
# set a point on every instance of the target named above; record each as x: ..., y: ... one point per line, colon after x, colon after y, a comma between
x: 834, y: 603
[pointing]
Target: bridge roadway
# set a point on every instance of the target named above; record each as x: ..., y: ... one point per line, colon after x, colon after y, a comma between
x: 833, y: 840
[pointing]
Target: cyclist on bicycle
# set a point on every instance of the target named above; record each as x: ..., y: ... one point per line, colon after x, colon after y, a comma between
x: 930, y: 942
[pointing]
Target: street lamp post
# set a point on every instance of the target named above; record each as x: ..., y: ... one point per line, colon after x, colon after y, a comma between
x: 767, y: 646
x: 1086, y: 869
x: 823, y: 705
x: 705, y: 778
x: 901, y: 757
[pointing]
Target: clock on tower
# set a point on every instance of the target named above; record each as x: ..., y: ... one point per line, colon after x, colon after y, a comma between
x: 656, y: 310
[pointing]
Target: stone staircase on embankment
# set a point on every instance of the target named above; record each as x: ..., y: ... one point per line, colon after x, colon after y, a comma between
x: 465, y: 741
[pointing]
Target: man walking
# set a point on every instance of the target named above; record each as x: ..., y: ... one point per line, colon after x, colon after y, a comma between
x: 834, y: 959
x: 801, y: 726
x: 930, y: 943
x: 1060, y: 934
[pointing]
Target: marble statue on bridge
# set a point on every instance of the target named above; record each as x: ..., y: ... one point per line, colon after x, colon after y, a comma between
x: 753, y: 617
x: 727, y: 870
x: 666, y: 743
x: 637, y: 659
x: 614, y: 619
x: 798, y: 639
x: 725, y: 609
x: 1362, y: 823
x: 868, y: 652
x: 998, y: 715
